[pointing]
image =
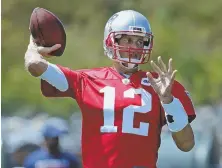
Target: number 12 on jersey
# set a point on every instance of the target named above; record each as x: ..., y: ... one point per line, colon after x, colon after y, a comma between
x: 128, y: 112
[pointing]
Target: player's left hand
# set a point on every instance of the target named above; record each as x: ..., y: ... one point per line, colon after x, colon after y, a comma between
x: 163, y: 84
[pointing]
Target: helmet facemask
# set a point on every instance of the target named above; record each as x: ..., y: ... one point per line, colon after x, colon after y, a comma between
x: 132, y: 55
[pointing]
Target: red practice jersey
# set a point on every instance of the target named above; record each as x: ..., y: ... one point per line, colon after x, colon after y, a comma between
x: 122, y: 118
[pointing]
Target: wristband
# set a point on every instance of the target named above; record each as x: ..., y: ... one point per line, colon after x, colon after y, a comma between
x: 176, y: 115
x: 54, y: 76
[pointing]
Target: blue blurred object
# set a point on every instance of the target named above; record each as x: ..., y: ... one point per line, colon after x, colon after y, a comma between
x: 52, y: 132
x: 54, y: 127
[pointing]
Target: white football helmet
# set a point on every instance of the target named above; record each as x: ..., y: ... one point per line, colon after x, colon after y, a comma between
x: 127, y: 22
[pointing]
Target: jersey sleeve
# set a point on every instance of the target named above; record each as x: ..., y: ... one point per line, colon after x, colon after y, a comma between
x: 74, y: 84
x: 182, y: 94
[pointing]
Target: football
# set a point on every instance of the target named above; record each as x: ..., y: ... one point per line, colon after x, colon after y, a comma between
x: 47, y: 30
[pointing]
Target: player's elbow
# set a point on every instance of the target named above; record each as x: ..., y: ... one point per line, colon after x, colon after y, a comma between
x: 36, y: 68
x: 186, y: 146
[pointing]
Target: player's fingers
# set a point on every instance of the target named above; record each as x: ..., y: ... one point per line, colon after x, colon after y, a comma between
x: 55, y: 47
x: 31, y: 43
x: 42, y: 50
x: 156, y: 68
x: 170, y: 68
x: 31, y: 40
x: 46, y: 50
x: 151, y: 80
x: 173, y: 77
x: 162, y: 65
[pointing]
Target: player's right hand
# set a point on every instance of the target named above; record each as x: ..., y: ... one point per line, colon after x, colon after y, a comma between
x: 44, y: 51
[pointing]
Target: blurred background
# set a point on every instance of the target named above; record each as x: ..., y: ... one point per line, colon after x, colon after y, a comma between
x: 188, y: 31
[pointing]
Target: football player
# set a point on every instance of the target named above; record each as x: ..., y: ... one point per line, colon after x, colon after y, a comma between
x: 123, y: 108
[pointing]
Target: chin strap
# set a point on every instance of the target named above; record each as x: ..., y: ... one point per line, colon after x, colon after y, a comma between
x: 125, y: 69
x: 129, y: 65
